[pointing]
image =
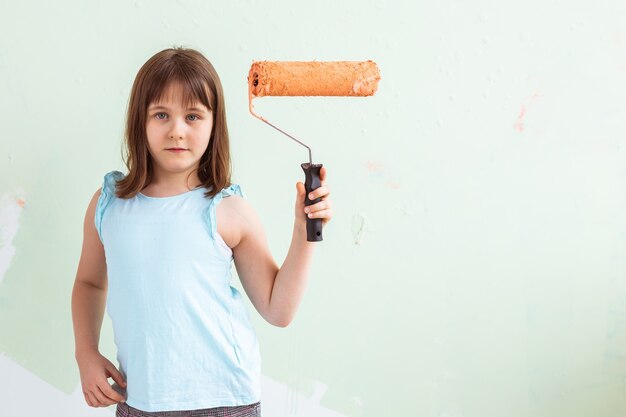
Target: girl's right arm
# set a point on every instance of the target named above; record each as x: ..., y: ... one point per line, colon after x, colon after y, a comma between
x: 88, y: 305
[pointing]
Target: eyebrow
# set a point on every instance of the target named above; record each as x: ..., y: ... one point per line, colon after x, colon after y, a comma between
x: 166, y: 108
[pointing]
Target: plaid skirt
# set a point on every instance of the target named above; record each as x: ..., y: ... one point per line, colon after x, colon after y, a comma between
x: 251, y: 410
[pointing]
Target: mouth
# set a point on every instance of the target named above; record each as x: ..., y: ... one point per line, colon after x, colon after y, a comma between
x: 176, y: 149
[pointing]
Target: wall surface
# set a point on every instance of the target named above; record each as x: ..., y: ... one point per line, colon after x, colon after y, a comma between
x: 475, y: 266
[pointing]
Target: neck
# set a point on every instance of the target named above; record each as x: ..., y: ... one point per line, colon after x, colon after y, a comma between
x: 175, y: 181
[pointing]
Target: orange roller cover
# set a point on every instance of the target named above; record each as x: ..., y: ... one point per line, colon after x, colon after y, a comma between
x: 313, y: 78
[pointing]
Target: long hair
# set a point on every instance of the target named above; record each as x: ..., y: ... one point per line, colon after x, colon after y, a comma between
x: 199, y: 82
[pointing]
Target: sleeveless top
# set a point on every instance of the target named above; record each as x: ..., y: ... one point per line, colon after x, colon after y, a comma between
x: 183, y: 335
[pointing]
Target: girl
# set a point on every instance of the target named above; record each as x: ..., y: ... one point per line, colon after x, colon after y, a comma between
x: 157, y: 252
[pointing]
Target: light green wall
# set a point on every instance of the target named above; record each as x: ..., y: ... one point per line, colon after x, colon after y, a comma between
x: 475, y: 263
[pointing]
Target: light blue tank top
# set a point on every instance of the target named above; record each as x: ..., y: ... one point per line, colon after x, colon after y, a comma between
x: 183, y: 335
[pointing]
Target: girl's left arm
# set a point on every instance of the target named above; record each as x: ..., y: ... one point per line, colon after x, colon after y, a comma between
x: 276, y: 292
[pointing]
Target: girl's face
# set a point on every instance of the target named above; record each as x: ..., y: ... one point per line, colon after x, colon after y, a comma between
x: 169, y: 125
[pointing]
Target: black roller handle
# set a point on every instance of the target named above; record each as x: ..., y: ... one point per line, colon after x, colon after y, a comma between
x: 312, y: 182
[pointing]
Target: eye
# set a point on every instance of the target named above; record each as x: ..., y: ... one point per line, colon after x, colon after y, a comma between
x: 196, y: 117
x: 157, y: 116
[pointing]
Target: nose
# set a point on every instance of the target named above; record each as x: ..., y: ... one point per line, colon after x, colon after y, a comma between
x: 177, y: 130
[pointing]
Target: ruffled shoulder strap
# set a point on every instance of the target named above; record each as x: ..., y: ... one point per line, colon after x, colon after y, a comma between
x: 106, y: 196
x: 210, y: 210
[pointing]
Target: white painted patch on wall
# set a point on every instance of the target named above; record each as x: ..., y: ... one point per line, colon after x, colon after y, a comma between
x: 358, y: 227
x: 25, y: 385
x: 52, y: 402
x: 276, y: 394
x: 11, y: 206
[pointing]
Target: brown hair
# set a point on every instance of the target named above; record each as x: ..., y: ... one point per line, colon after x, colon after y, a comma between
x: 199, y: 82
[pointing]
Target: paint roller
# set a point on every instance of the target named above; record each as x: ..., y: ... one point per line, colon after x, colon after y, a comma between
x: 293, y: 78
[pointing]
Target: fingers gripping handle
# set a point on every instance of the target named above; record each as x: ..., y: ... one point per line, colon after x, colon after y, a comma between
x: 312, y: 182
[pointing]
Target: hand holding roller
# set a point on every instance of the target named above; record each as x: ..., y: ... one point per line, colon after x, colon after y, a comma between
x: 292, y: 78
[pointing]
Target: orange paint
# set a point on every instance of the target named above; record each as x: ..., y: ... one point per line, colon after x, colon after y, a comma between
x: 374, y: 166
x: 519, y: 124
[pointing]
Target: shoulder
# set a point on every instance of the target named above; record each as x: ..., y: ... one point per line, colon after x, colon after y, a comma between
x: 109, y: 182
x: 235, y: 201
x: 236, y: 204
x: 103, y: 196
x: 241, y: 210
x: 232, y: 214
x: 91, y: 207
x: 95, y: 197
x: 108, y: 185
x: 111, y: 178
x: 237, y: 218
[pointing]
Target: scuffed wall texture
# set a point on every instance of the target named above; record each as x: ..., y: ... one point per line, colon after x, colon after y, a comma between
x: 475, y: 263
